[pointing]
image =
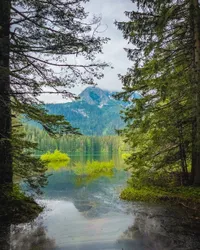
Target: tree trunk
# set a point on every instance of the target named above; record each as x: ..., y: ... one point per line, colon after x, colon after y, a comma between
x: 193, y: 151
x: 5, y: 109
x: 196, y: 149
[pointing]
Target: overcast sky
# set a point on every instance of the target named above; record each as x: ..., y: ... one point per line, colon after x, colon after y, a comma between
x: 110, y: 10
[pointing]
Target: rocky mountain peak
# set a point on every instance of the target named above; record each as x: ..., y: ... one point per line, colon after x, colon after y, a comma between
x: 95, y: 96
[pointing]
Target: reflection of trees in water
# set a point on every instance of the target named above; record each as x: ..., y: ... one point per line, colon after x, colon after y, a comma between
x: 96, y: 198
x: 32, y: 238
x: 162, y: 229
x: 5, y: 236
x: 85, y: 180
x: 24, y: 237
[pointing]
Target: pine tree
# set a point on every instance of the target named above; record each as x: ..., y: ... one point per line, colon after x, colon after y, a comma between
x: 165, y: 35
x: 39, y: 41
x: 26, y: 166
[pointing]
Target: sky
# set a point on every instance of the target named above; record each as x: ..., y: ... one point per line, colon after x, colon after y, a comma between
x: 113, y: 51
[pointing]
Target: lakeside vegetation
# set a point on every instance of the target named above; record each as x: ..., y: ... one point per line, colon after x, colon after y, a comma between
x: 93, y: 168
x: 185, y: 196
x: 162, y: 188
x: 146, y: 184
x: 87, y: 171
x: 56, y: 160
x: 55, y: 156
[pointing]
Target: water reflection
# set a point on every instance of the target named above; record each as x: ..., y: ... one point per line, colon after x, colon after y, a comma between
x: 65, y: 227
x: 31, y: 237
x: 90, y: 216
x: 5, y: 235
x: 161, y: 228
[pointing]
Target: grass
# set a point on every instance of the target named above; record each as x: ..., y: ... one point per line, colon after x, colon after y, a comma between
x: 185, y: 196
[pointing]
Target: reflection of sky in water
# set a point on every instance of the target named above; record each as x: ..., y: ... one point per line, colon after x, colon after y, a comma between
x: 87, y: 214
x: 68, y: 226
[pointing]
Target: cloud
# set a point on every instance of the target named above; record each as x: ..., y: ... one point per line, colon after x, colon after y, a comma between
x: 109, y: 10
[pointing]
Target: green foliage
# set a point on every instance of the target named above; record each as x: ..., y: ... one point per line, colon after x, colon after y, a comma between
x: 94, y: 168
x: 73, y: 144
x: 160, y: 126
x: 66, y: 33
x: 125, y: 156
x: 59, y: 30
x: 55, y: 156
x: 26, y: 167
x: 184, y: 196
x: 161, y: 186
x: 144, y: 194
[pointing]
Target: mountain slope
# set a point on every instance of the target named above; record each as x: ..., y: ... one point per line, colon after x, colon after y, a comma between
x: 95, y: 113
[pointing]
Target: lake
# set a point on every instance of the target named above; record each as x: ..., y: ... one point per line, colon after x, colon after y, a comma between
x: 87, y: 214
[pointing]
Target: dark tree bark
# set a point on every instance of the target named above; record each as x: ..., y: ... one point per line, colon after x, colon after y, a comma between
x: 5, y: 109
x: 193, y: 152
x: 196, y: 148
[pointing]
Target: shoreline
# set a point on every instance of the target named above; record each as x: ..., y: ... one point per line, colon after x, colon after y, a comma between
x: 187, y: 197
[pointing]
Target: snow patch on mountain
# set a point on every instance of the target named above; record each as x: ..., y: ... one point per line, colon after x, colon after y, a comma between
x: 80, y: 111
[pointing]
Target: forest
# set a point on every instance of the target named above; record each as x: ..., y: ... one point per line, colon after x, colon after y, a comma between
x: 73, y: 143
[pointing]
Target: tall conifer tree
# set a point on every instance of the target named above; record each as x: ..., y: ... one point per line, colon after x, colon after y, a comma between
x: 166, y: 39
x: 36, y: 39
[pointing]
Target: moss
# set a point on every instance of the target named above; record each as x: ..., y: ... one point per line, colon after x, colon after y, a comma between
x: 16, y: 207
x: 144, y: 194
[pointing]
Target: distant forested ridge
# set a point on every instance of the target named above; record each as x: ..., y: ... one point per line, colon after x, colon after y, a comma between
x: 74, y: 144
x: 95, y: 113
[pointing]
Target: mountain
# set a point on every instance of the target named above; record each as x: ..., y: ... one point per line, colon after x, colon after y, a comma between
x: 96, y: 96
x: 95, y: 113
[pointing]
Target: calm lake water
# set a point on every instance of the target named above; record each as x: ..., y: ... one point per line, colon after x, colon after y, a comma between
x: 88, y: 215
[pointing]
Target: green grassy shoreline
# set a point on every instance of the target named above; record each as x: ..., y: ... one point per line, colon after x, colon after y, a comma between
x: 188, y: 197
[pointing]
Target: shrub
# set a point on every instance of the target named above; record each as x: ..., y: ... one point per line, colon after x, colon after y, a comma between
x: 55, y: 157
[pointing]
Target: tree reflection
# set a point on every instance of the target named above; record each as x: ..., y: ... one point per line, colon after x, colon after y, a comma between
x: 24, y: 237
x: 5, y: 235
x: 161, y: 229
x: 31, y: 237
x: 85, y: 180
x: 58, y: 165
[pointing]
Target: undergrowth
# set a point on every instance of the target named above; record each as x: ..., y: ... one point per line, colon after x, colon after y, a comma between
x: 161, y: 187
